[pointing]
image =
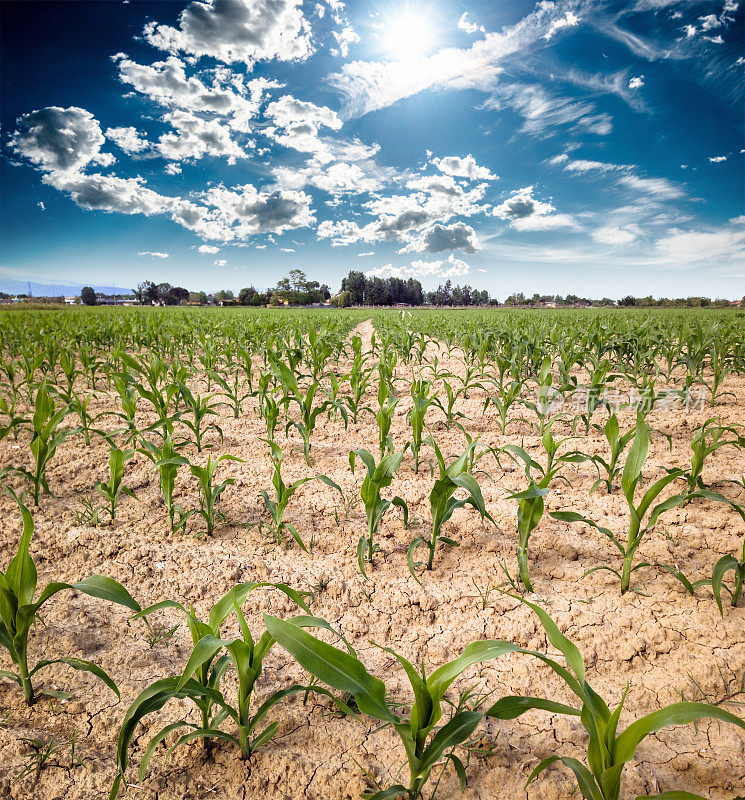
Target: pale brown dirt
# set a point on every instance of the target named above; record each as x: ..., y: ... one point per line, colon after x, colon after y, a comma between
x: 661, y: 644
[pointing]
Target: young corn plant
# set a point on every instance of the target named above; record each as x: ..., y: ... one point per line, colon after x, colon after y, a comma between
x: 19, y: 611
x: 112, y: 489
x: 617, y: 443
x: 423, y: 399
x: 167, y: 461
x: 211, y: 657
x: 384, y: 419
x: 530, y: 507
x: 379, y: 476
x: 426, y: 745
x: 443, y: 503
x: 233, y: 390
x: 631, y: 479
x: 359, y: 378
x: 199, y: 408
x: 608, y: 752
x: 309, y: 412
x: 210, y: 492
x: 127, y: 396
x: 283, y: 494
x: 707, y: 439
x: 503, y: 400
x: 46, y: 438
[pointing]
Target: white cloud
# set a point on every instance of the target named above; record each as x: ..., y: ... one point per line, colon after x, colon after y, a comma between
x: 208, y: 249
x: 153, y: 253
x: 194, y: 137
x: 41, y: 205
x: 659, y: 188
x: 465, y: 24
x: 287, y: 249
x: 569, y: 20
x: 526, y: 213
x: 709, y: 22
x: 344, y: 38
x: 220, y: 262
x: 368, y: 85
x: 237, y: 31
x: 60, y: 139
x: 717, y: 159
x: 615, y: 235
x: 637, y: 82
x: 297, y: 122
x: 172, y: 169
x: 464, y: 168
x: 457, y: 236
x: 725, y: 245
x: 362, y: 255
x: 542, y: 110
x: 451, y: 267
x: 128, y: 139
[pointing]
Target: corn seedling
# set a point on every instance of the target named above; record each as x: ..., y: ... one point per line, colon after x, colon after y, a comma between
x: 608, y: 752
x: 617, y: 443
x: 233, y: 390
x: 46, y: 438
x: 115, y: 486
x: 422, y: 397
x: 379, y: 476
x: 167, y: 461
x: 210, y: 492
x: 199, y: 408
x: 19, y: 611
x: 443, y: 503
x: 359, y: 378
x: 202, y: 677
x: 282, y: 495
x: 707, y: 439
x: 631, y: 478
x: 424, y: 743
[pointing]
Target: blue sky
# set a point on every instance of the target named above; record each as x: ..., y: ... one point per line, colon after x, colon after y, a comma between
x: 585, y: 147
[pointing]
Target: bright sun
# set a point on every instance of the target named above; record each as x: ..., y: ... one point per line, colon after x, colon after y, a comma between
x: 407, y: 35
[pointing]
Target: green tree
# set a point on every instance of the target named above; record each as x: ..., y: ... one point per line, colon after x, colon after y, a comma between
x: 88, y: 296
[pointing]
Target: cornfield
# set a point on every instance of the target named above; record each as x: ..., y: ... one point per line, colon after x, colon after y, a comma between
x: 316, y: 554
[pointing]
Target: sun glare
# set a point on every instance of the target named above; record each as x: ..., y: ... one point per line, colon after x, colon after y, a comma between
x: 408, y: 35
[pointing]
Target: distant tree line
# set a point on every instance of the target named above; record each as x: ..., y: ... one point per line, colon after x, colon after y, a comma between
x: 359, y: 289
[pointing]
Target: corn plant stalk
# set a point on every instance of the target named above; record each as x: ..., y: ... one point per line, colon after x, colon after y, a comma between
x: 607, y: 751
x: 115, y: 486
x: 211, y: 657
x: 630, y: 482
x: 424, y: 746
x: 19, y: 611
x: 379, y: 476
x: 443, y: 503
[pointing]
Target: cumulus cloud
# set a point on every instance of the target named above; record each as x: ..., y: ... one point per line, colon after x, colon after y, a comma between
x: 296, y: 124
x: 220, y: 262
x: 637, y: 82
x: 153, y: 253
x: 41, y: 205
x: 717, y: 159
x: 525, y: 212
x: 451, y: 267
x: 237, y: 31
x: 469, y: 26
x: 128, y: 139
x: 464, y: 168
x: 60, y: 139
x: 438, y: 238
x: 208, y: 249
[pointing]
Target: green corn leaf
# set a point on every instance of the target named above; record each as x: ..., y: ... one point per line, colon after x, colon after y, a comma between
x: 675, y: 714
x: 514, y: 706
x: 81, y: 665
x: 332, y: 666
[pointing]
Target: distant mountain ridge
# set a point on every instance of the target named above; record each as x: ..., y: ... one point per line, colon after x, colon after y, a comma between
x: 14, y: 286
